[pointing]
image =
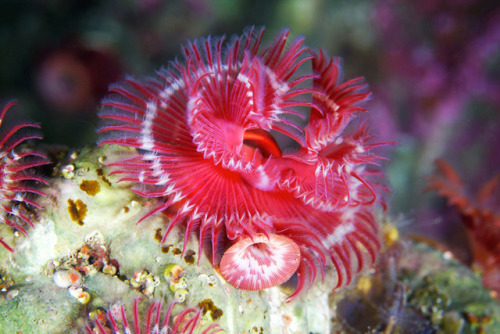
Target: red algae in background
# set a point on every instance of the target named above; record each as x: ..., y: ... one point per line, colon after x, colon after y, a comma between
x: 205, y: 131
x: 480, y: 216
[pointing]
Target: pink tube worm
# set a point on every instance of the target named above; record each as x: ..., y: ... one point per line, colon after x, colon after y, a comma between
x: 204, y: 130
x: 17, y: 191
x: 115, y: 320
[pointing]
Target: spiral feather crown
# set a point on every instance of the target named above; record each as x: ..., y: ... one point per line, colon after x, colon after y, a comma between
x: 206, y: 133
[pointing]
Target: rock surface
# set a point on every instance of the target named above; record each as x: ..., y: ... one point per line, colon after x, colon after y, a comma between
x: 87, y: 251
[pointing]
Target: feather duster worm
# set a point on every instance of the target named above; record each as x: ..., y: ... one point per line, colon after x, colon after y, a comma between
x: 480, y: 216
x: 16, y: 178
x: 115, y: 321
x: 204, y: 130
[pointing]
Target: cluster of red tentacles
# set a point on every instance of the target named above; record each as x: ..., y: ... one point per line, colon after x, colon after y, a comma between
x: 115, y: 320
x: 480, y: 215
x: 17, y: 182
x: 256, y: 146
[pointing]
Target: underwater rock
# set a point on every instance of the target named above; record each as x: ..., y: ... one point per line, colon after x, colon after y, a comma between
x: 119, y: 260
x: 413, y: 289
x: 417, y: 289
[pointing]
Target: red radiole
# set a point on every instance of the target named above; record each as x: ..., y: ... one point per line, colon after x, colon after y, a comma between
x: 205, y: 128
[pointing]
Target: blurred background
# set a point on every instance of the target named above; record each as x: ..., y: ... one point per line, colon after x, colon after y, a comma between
x: 433, y: 66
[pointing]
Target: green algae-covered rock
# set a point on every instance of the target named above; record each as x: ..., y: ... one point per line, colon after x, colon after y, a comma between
x: 89, y: 228
x: 88, y: 250
x: 418, y: 289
